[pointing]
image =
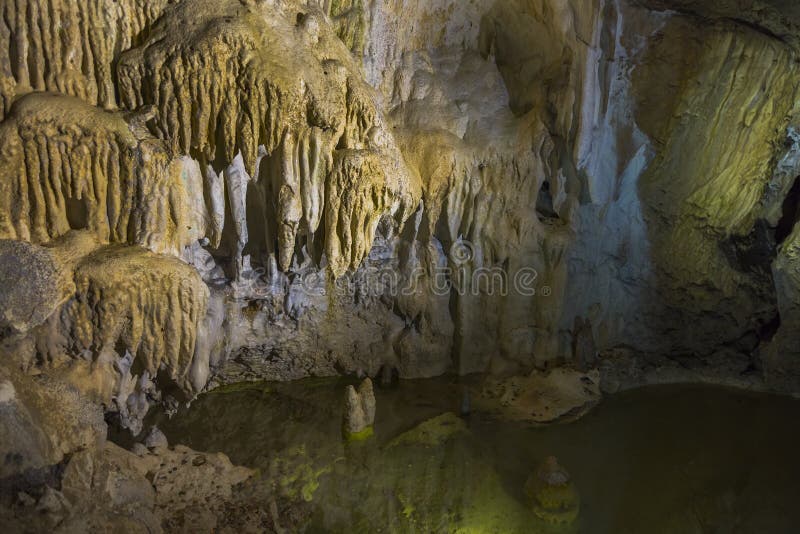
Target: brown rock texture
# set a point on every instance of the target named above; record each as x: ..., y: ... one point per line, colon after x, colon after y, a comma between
x: 68, y: 47
x: 274, y: 189
x: 69, y: 165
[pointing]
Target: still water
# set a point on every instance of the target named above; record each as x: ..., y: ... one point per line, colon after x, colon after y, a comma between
x: 675, y: 459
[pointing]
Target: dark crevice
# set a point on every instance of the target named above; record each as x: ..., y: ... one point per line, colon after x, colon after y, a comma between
x: 790, y: 213
x: 755, y: 27
x: 544, y: 204
x: 666, y: 6
x: 751, y: 253
x: 767, y: 331
x: 33, y: 480
x: 77, y: 213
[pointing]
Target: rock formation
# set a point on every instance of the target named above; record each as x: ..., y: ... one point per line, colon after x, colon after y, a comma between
x: 542, y: 397
x: 71, y: 166
x: 359, y: 411
x: 69, y: 47
x: 552, y: 493
x: 343, y: 181
x: 196, y: 192
x: 304, y: 123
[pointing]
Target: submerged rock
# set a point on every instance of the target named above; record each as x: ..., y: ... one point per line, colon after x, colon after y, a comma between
x: 431, y: 432
x: 553, y: 497
x: 543, y: 397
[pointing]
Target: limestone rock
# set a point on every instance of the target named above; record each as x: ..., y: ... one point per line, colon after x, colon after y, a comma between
x: 112, y: 489
x: 691, y: 275
x: 71, y: 166
x: 552, y: 494
x: 542, y: 397
x: 632, y: 159
x: 149, y: 304
x: 292, y: 163
x: 779, y: 18
x: 131, y: 319
x: 359, y: 413
x: 184, y: 479
x: 35, y: 284
x: 156, y: 439
x: 779, y: 355
x: 68, y: 47
x: 42, y: 419
x: 683, y: 222
x: 292, y: 118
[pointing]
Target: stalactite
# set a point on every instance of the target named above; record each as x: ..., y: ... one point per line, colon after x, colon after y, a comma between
x: 224, y: 93
x: 133, y: 300
x: 355, y: 199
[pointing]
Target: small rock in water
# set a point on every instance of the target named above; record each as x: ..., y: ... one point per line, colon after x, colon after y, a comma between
x: 552, y: 473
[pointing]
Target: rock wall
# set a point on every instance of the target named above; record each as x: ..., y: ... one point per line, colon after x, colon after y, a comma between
x: 69, y: 47
x: 686, y: 210
x: 71, y: 166
x: 225, y: 93
x: 247, y: 189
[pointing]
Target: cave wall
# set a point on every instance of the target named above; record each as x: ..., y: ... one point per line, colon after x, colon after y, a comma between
x: 277, y: 189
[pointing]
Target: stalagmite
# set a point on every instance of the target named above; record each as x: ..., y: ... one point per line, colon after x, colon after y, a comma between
x: 359, y: 416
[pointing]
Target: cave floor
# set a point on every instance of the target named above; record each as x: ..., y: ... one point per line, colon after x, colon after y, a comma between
x: 660, y: 459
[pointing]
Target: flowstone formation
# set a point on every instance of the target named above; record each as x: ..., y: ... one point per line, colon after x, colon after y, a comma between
x: 200, y: 192
x: 68, y: 47
x: 303, y: 122
x: 340, y: 181
x: 72, y: 166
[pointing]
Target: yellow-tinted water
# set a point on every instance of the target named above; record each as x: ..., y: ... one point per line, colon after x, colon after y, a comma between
x: 678, y: 459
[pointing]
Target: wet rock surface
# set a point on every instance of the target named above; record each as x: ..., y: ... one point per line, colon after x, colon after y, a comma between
x: 542, y: 397
x: 573, y: 196
x: 388, y: 159
x: 419, y: 470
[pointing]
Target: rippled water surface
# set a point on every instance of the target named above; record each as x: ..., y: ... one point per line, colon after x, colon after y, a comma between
x: 677, y: 459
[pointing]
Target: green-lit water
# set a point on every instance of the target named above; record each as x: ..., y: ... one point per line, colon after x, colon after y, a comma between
x: 678, y: 459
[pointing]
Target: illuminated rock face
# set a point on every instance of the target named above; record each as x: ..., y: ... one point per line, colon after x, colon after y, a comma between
x: 687, y: 220
x: 72, y: 166
x: 241, y: 189
x: 330, y: 168
x: 68, y: 47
